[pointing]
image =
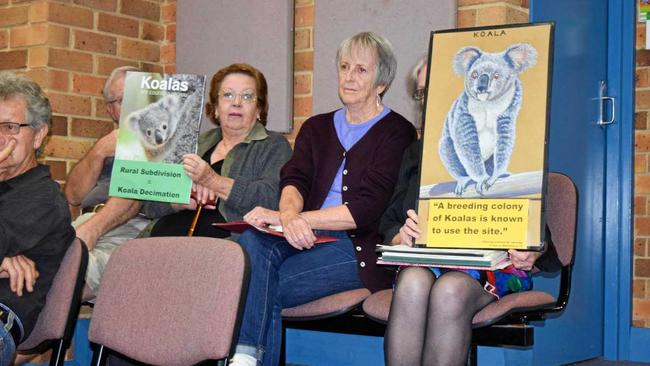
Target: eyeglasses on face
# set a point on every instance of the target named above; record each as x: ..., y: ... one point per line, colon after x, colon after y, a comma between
x: 419, y: 95
x: 116, y: 100
x: 247, y: 96
x: 12, y: 128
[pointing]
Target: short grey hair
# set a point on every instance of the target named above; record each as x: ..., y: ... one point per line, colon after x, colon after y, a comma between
x: 413, y: 75
x: 386, y: 61
x: 38, y: 112
x: 116, y: 74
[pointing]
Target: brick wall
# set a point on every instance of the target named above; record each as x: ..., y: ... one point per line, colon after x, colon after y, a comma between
x: 641, y: 267
x: 69, y: 47
x: 477, y: 13
x: 471, y: 13
x: 303, y: 64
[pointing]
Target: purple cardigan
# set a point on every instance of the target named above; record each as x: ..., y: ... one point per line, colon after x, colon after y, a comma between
x: 369, y: 176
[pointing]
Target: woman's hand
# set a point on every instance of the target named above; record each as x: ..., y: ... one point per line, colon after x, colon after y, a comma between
x: 411, y: 229
x: 260, y: 216
x: 297, y: 230
x: 524, y: 260
x: 202, y: 196
x: 199, y: 170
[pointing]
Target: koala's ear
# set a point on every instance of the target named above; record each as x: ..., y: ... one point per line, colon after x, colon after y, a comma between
x: 132, y: 121
x: 521, y: 56
x: 464, y: 59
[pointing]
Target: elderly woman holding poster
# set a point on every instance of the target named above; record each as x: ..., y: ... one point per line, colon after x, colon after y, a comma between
x: 238, y: 163
x: 337, y: 183
x: 430, y: 321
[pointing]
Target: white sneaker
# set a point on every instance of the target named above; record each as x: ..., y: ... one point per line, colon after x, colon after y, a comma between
x: 242, y: 359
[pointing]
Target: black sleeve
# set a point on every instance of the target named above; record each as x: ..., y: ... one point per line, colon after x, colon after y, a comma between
x: 549, y: 261
x: 395, y: 215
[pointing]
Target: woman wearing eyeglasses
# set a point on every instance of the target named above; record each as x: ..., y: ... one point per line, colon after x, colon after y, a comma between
x: 337, y: 183
x: 238, y: 163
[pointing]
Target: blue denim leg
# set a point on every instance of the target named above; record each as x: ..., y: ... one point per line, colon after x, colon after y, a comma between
x: 7, y: 347
x: 266, y: 254
x: 305, y: 276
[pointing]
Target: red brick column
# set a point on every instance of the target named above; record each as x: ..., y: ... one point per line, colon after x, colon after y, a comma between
x: 70, y: 47
x: 641, y: 271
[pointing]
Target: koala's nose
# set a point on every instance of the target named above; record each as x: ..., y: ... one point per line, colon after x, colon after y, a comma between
x: 483, y: 82
x: 159, y: 137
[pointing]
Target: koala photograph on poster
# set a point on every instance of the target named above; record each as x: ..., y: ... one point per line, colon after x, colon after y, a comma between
x: 159, y: 123
x: 486, y: 115
x: 161, y: 116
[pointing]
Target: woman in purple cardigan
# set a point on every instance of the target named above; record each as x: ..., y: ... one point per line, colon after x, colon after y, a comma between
x: 338, y: 182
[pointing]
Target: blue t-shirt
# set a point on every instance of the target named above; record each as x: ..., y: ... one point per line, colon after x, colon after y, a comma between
x: 348, y: 134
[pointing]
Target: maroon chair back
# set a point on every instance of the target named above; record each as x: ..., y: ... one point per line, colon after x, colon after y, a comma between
x: 561, y: 215
x: 57, y: 319
x: 172, y: 300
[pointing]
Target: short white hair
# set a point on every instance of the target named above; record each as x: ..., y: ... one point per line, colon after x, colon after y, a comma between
x: 413, y: 75
x: 386, y: 61
x: 116, y: 74
x: 38, y: 112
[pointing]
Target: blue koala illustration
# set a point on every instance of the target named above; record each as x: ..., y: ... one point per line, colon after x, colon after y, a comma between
x: 479, y: 133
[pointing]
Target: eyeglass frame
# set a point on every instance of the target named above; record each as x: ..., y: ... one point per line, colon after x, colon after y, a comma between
x: 419, y: 94
x: 116, y: 100
x: 241, y: 96
x: 13, y: 124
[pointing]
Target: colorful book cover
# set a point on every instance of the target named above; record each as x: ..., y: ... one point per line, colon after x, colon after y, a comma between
x: 483, y: 166
x: 159, y: 123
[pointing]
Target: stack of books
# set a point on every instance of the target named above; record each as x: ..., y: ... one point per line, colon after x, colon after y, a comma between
x: 442, y: 257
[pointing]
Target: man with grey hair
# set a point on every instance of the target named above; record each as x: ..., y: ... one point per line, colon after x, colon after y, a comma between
x: 35, y: 229
x: 105, y: 222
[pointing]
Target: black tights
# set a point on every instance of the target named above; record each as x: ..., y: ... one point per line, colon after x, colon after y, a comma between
x: 430, y: 320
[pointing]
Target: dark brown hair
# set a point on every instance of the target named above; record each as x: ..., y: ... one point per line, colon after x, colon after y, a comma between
x: 261, y: 91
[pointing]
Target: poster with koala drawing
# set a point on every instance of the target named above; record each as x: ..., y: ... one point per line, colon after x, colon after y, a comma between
x: 159, y: 123
x: 483, y: 167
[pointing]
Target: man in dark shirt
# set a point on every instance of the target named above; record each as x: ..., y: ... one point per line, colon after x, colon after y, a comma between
x: 35, y: 229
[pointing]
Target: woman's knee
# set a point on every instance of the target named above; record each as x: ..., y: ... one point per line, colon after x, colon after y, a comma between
x: 454, y: 290
x: 413, y: 280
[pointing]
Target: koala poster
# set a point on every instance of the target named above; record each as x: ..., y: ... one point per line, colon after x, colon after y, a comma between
x: 159, y: 123
x: 484, y: 141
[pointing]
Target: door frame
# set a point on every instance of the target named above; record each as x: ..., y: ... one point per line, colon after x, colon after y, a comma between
x: 619, y: 183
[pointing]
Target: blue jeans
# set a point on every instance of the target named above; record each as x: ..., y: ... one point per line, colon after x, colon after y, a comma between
x: 7, y: 344
x: 284, y: 277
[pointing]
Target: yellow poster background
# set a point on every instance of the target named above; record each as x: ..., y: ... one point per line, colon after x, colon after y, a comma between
x: 479, y: 223
x: 444, y: 87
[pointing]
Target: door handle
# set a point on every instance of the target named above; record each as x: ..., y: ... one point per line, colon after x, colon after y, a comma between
x: 602, y: 103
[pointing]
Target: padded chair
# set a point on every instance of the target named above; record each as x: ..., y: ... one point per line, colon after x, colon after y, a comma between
x: 170, y: 300
x: 56, y: 322
x: 329, y: 314
x: 506, y: 322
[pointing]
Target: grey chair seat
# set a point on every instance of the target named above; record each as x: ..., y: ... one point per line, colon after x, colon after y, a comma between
x: 377, y: 306
x: 327, y: 306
